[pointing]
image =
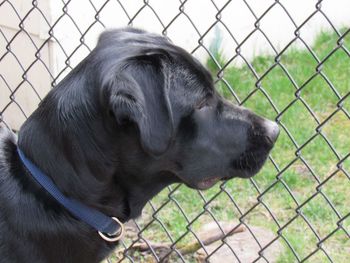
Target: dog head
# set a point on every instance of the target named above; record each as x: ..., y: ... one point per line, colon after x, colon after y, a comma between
x: 165, y: 101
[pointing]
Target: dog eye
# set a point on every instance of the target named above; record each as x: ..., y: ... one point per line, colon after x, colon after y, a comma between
x: 206, y: 101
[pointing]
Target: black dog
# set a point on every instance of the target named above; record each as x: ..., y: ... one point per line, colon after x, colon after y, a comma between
x: 136, y: 115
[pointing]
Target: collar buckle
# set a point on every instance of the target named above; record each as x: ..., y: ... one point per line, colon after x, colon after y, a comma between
x: 115, y: 237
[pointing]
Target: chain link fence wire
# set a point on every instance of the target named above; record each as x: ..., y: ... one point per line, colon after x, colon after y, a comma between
x: 297, y: 208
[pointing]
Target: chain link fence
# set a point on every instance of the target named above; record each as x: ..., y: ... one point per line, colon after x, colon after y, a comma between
x: 297, y: 208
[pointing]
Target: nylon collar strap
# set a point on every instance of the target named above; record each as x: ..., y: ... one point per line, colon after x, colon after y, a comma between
x: 109, y: 228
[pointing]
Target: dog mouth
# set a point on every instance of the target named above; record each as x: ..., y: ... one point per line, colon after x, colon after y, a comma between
x: 245, y: 166
x: 243, y: 169
x: 207, y: 183
x: 210, y: 182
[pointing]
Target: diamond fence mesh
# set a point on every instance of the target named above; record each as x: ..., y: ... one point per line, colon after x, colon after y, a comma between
x: 297, y: 208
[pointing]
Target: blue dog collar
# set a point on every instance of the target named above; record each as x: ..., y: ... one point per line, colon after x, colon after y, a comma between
x: 109, y: 228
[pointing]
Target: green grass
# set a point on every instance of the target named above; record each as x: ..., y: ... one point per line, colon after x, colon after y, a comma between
x: 298, y: 126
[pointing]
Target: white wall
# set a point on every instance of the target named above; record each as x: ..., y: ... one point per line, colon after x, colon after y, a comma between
x: 236, y: 16
x: 26, y: 81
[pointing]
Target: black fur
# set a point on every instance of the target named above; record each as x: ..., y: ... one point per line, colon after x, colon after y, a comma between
x: 136, y: 115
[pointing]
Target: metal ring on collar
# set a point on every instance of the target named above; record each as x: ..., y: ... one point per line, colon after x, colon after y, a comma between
x: 118, y: 236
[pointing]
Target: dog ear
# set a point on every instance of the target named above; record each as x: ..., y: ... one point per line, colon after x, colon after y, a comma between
x: 141, y: 95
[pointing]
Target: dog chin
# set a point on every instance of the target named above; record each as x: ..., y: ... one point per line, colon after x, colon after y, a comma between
x: 203, y: 184
x: 207, y: 183
x: 210, y: 182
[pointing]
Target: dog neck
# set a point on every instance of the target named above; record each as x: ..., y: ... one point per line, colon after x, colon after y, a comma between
x: 87, y: 181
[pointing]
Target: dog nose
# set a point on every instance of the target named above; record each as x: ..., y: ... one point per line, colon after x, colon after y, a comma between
x: 272, y: 130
